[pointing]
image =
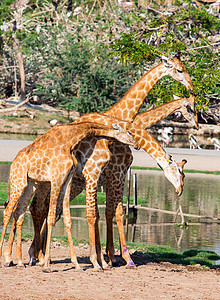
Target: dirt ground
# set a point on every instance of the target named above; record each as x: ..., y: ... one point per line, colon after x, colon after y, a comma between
x: 147, y: 281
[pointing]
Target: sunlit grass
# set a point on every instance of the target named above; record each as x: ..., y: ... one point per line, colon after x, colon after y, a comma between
x: 79, y: 200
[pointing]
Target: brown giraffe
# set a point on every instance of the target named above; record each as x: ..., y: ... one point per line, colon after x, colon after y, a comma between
x: 117, y: 157
x: 172, y: 170
x: 49, y: 159
x: 146, y: 120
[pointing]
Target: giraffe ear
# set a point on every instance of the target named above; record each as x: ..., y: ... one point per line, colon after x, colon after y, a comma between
x: 117, y: 127
x: 178, y: 55
x: 166, y: 61
x: 183, y: 162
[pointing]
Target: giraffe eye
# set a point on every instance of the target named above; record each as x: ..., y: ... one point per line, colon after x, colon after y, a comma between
x: 189, y: 109
x: 179, y: 71
x: 129, y: 133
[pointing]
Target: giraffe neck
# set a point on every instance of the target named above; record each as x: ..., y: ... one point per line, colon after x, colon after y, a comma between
x: 144, y: 139
x: 128, y: 106
x: 149, y: 144
x: 150, y: 117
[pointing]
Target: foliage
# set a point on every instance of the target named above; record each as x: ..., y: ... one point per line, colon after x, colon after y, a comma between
x: 72, y: 61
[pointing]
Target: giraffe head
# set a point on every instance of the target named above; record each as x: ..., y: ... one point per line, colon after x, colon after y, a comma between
x: 188, y: 110
x: 176, y: 69
x: 124, y: 137
x: 174, y: 173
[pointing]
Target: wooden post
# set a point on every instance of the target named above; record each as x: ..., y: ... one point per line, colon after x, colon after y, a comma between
x: 135, y: 189
x: 128, y: 191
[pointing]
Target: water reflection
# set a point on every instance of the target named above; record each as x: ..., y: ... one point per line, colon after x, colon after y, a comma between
x: 201, y: 196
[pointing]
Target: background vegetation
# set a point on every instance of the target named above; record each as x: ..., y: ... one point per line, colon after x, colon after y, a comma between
x: 87, y: 61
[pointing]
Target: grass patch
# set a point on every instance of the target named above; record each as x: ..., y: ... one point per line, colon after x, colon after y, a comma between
x: 185, y: 170
x: 3, y: 192
x: 5, y: 162
x: 79, y: 200
x: 151, y: 252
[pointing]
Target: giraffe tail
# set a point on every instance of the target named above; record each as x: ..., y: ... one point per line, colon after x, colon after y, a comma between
x: 6, y: 203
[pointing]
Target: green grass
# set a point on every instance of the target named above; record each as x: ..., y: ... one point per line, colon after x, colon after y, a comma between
x: 185, y: 170
x: 152, y: 252
x: 79, y: 200
x: 3, y: 192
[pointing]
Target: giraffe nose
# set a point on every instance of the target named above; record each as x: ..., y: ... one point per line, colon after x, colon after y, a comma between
x: 179, y: 190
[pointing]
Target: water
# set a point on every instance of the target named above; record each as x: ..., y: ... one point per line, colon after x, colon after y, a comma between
x: 201, y: 196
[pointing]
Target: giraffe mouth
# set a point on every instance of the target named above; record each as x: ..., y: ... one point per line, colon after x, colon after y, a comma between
x: 179, y: 191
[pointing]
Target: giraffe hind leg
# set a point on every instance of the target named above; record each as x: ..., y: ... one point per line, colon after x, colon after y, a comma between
x: 14, y: 198
x: 18, y: 218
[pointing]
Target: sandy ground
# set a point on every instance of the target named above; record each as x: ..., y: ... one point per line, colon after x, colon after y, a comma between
x: 148, y: 281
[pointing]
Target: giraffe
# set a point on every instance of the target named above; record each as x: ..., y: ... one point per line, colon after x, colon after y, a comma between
x: 117, y: 157
x: 172, y: 170
x: 146, y: 120
x: 50, y: 158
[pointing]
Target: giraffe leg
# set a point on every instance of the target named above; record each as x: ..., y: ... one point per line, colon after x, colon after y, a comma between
x: 39, y: 210
x: 109, y: 214
x: 100, y: 256
x: 8, y: 250
x: 114, y: 205
x: 18, y: 219
x: 92, y: 218
x: 124, y: 249
x: 14, y: 198
x: 54, y: 194
x: 67, y: 223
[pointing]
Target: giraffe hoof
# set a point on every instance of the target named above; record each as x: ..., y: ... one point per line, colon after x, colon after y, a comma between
x: 20, y: 266
x: 47, y: 270
x: 106, y: 268
x: 32, y: 262
x: 130, y: 264
x: 9, y: 264
x: 79, y: 269
x: 98, y: 269
x: 40, y: 264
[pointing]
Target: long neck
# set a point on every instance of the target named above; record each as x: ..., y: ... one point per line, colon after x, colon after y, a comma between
x: 150, y: 117
x: 149, y: 144
x: 128, y: 106
x: 141, y: 136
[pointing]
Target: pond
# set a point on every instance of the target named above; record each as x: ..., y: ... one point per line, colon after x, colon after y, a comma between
x: 201, y: 197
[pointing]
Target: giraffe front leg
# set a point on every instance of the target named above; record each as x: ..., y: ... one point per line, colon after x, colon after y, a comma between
x: 61, y: 182
x: 67, y: 223
x: 110, y: 243
x: 100, y: 256
x: 92, y: 218
x: 124, y: 249
x: 39, y: 210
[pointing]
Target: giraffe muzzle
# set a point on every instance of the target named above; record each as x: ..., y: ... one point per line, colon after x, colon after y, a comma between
x: 179, y: 190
